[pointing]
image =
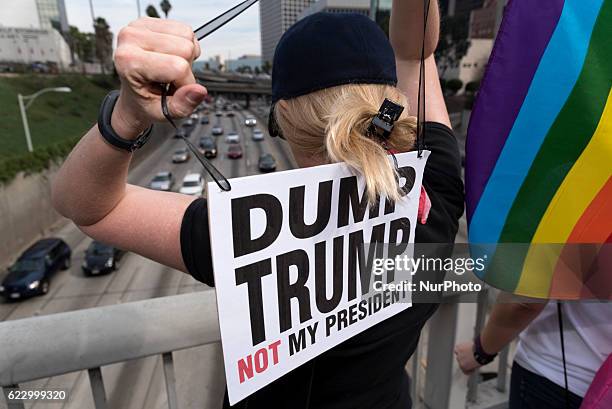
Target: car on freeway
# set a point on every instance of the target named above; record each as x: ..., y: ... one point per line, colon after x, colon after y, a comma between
x: 188, y: 123
x: 208, y: 147
x: 217, y: 130
x: 181, y: 156
x: 234, y: 151
x: 181, y: 133
x: 32, y: 272
x: 205, y: 120
x: 267, y: 163
x: 101, y: 258
x: 162, y: 181
x: 250, y: 121
x: 218, y: 113
x: 194, y: 116
x: 230, y: 114
x: 258, y: 135
x: 232, y: 137
x: 193, y: 184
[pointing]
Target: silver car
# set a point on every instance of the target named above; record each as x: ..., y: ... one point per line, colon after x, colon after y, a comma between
x: 258, y: 135
x: 250, y: 121
x: 162, y: 181
x: 180, y: 156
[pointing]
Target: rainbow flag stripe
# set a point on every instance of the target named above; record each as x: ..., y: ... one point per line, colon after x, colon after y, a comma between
x: 539, y: 150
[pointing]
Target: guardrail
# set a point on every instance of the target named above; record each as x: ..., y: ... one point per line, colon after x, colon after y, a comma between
x: 91, y: 338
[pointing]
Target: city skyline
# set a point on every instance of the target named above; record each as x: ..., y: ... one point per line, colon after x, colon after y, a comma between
x: 232, y: 41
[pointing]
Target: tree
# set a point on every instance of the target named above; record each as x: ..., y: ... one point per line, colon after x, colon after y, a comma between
x: 104, y: 43
x: 165, y: 6
x: 152, y: 11
x: 454, y: 85
x: 82, y: 44
x: 257, y: 71
x: 453, y: 43
x: 266, y: 67
x: 472, y: 87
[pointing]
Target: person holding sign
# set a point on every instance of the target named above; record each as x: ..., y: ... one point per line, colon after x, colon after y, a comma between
x: 333, y: 76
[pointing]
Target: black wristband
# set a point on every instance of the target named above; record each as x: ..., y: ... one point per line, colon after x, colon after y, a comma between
x: 109, y: 134
x: 479, y: 354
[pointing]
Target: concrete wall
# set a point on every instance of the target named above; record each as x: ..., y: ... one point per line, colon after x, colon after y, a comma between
x: 25, y: 212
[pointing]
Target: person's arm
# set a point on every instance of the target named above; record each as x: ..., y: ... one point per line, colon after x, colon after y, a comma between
x: 506, y: 322
x: 406, y: 36
x: 91, y: 186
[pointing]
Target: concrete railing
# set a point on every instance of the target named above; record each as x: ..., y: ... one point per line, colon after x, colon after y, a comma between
x: 92, y: 338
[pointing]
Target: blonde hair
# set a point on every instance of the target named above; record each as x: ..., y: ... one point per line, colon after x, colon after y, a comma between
x: 333, y: 124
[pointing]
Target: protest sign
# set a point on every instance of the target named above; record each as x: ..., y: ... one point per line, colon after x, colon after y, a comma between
x: 292, y: 264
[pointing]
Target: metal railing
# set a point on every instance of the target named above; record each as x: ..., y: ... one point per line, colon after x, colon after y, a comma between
x: 92, y: 338
x: 103, y: 336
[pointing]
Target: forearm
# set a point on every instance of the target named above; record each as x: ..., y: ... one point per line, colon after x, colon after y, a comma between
x: 406, y: 28
x: 93, y: 178
x: 507, y: 321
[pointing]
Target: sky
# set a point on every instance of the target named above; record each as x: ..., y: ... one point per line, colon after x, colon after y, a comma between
x: 238, y: 37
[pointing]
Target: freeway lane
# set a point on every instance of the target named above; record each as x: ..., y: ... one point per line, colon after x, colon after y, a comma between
x: 139, y: 383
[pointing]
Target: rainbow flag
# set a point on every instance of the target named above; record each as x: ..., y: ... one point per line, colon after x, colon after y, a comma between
x: 539, y: 152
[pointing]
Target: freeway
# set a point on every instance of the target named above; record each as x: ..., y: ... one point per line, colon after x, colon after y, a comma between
x: 139, y: 383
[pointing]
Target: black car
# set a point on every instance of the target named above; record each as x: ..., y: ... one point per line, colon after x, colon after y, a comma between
x: 267, y: 163
x: 101, y: 258
x: 204, y: 120
x: 208, y: 147
x: 181, y: 132
x: 31, y: 273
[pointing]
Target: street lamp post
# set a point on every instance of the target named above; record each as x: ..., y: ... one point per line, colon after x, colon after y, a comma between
x: 24, y: 103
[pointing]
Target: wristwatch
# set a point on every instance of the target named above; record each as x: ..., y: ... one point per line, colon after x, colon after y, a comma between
x: 479, y: 354
x: 109, y: 134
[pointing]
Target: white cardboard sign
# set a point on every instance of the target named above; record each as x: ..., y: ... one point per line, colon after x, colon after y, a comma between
x: 287, y: 265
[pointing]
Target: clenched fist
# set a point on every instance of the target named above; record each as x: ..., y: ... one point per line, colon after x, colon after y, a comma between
x: 151, y: 51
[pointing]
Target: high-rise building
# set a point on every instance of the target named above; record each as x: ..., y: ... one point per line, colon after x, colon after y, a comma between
x: 36, y: 14
x: 276, y: 16
x: 485, y: 21
x: 34, y: 30
x: 52, y: 14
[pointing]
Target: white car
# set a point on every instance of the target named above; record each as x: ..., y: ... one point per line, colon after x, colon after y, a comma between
x: 193, y: 184
x: 232, y: 137
x: 217, y: 130
x: 250, y: 121
x: 258, y: 135
x: 194, y: 116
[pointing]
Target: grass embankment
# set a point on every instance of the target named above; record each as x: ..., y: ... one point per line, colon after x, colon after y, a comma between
x: 57, y: 120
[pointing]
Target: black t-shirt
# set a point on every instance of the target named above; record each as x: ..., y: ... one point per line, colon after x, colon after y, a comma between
x: 366, y: 371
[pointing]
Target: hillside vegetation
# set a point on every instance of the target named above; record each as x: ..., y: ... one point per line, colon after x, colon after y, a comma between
x: 57, y: 120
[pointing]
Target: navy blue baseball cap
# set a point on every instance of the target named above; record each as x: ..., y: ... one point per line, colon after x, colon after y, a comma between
x: 329, y: 49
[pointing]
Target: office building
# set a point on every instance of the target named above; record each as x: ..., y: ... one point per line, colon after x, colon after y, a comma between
x: 31, y: 30
x: 34, y: 14
x: 276, y: 16
x: 212, y: 64
x: 251, y: 61
x: 483, y: 25
x: 344, y: 6
x: 28, y: 45
x: 52, y: 14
